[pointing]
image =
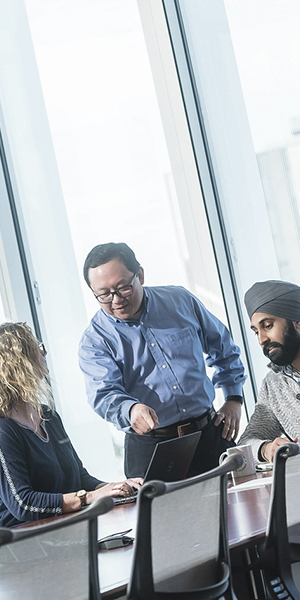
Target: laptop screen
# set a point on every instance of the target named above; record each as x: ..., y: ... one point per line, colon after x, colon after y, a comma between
x: 171, y: 459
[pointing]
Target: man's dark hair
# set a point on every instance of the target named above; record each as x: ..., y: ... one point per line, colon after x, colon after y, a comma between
x: 103, y: 253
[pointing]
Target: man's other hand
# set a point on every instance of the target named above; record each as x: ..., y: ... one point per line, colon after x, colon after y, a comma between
x: 143, y: 418
x: 269, y: 449
x: 230, y: 414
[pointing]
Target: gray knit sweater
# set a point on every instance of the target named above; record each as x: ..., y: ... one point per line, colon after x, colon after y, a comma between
x: 277, y: 411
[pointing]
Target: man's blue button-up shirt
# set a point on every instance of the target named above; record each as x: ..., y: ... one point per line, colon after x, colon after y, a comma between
x: 159, y: 360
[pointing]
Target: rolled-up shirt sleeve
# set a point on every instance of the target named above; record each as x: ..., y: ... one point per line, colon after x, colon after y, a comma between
x: 262, y: 428
x: 272, y: 408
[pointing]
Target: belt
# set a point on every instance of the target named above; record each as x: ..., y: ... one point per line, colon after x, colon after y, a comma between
x: 180, y: 429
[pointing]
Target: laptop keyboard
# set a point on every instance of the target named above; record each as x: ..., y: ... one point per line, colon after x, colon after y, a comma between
x: 125, y: 499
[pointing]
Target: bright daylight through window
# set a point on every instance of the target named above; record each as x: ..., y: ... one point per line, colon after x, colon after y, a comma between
x: 266, y: 41
x: 100, y: 143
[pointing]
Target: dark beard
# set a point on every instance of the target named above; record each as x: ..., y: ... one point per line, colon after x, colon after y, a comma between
x: 286, y: 352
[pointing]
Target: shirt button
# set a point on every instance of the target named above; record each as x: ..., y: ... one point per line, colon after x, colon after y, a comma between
x: 298, y: 396
x: 164, y: 366
x: 174, y: 387
x: 152, y: 344
x: 142, y: 322
x: 184, y: 410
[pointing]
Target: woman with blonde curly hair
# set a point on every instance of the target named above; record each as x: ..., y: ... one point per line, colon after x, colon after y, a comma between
x: 40, y: 473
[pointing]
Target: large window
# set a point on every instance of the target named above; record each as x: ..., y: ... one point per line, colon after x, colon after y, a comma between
x: 238, y: 63
x: 110, y: 147
x: 170, y: 125
x: 107, y: 133
x: 267, y: 50
x: 3, y: 316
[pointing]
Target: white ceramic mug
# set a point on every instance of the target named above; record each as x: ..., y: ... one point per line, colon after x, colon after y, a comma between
x: 248, y: 467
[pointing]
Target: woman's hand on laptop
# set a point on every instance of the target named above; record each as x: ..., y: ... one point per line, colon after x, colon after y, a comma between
x: 121, y: 488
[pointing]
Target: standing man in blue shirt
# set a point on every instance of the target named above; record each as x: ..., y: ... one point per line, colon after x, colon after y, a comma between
x: 142, y: 358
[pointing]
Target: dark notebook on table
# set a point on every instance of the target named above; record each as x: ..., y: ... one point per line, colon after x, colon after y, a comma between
x: 170, y: 461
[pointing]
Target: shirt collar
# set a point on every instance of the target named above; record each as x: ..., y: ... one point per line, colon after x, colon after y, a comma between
x: 288, y: 370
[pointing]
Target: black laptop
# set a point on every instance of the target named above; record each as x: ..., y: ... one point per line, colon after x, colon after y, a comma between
x: 170, y: 461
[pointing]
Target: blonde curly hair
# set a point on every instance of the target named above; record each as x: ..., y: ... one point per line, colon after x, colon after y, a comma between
x: 22, y: 372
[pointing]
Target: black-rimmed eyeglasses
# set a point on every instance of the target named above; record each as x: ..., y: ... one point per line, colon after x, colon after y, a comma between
x: 121, y: 292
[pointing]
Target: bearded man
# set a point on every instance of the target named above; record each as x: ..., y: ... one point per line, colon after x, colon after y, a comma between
x: 274, y: 310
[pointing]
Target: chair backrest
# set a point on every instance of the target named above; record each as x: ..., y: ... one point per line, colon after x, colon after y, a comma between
x: 283, y: 528
x: 55, y: 560
x: 181, y: 542
x: 284, y: 508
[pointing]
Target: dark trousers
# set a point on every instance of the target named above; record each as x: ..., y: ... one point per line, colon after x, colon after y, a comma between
x: 139, y: 449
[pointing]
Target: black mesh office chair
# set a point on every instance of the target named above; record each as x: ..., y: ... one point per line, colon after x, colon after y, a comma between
x: 279, y: 555
x: 56, y: 560
x: 181, y: 548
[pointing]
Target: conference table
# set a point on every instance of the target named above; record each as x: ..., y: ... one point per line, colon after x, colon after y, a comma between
x: 248, y: 506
